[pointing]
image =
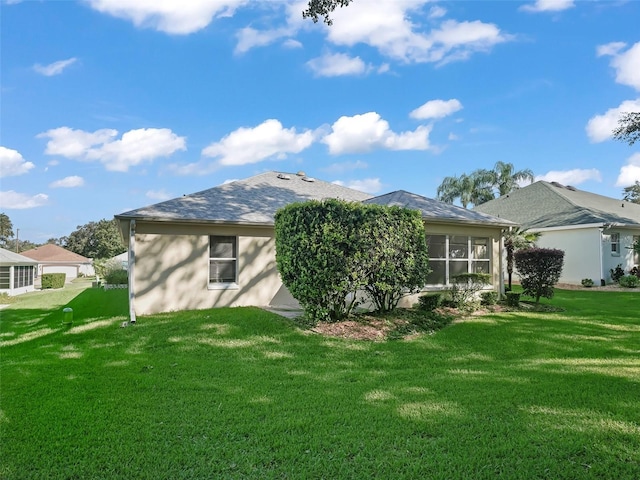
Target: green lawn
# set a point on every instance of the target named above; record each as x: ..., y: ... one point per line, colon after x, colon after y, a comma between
x: 242, y: 393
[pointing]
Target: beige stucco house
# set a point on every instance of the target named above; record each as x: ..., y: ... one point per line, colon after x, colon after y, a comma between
x: 594, y: 231
x: 216, y: 248
x: 55, y: 259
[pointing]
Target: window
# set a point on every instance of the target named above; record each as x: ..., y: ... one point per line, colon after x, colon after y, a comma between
x: 22, y: 276
x: 615, y: 244
x: 5, y: 277
x: 636, y: 255
x: 222, y: 260
x: 451, y: 255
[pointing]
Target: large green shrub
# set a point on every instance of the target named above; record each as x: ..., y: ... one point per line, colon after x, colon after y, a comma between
x: 117, y: 277
x: 53, y: 280
x: 629, y: 281
x: 328, y: 251
x: 539, y: 270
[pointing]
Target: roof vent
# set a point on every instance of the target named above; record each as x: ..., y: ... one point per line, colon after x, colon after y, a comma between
x: 556, y: 184
x: 308, y: 179
x: 571, y: 187
x: 301, y: 173
x: 282, y: 176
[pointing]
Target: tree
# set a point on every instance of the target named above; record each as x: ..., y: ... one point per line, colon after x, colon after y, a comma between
x: 539, y: 270
x: 628, y: 129
x: 322, y: 8
x: 505, y: 179
x: 96, y: 240
x: 6, y: 230
x: 469, y: 189
x: 515, y: 239
x: 632, y: 193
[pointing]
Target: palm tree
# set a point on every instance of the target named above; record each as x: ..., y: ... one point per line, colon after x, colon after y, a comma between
x: 505, y: 179
x: 470, y: 189
x: 515, y: 239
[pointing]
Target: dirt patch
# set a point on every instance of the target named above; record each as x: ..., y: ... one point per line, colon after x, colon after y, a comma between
x: 365, y: 328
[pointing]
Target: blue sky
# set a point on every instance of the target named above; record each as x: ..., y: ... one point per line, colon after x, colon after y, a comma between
x: 111, y: 105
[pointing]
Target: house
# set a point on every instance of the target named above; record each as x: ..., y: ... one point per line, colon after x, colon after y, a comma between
x: 17, y: 273
x: 594, y: 231
x: 217, y: 247
x: 55, y: 259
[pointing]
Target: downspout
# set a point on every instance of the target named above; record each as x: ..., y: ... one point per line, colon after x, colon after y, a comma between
x: 132, y: 263
x: 500, y: 264
x: 600, y: 240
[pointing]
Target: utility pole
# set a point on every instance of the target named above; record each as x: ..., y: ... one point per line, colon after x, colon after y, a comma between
x: 17, y: 238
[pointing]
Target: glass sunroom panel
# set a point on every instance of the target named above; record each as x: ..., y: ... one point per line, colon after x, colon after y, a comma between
x: 480, y: 267
x: 437, y: 246
x: 458, y: 247
x: 438, y: 273
x: 480, y: 248
x: 456, y: 268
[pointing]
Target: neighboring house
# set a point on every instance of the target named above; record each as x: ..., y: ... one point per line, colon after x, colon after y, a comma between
x: 17, y: 273
x: 55, y: 259
x: 593, y: 230
x: 217, y: 247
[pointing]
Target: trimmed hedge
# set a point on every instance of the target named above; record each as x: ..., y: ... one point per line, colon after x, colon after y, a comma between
x: 53, y: 280
x: 539, y: 270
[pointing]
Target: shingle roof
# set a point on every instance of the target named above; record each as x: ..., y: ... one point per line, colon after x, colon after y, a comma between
x: 251, y: 201
x: 54, y: 253
x: 546, y: 205
x: 8, y: 257
x: 435, y: 210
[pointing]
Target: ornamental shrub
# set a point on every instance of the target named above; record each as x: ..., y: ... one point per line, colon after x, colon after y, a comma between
x: 513, y: 299
x: 117, y: 277
x: 629, y: 281
x: 53, y: 280
x: 539, y: 270
x: 429, y: 302
x: 466, y: 286
x: 587, y: 282
x: 616, y: 273
x: 489, y: 298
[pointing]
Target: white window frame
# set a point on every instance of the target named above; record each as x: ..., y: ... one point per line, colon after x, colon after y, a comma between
x: 223, y: 285
x: 615, y: 244
x: 469, y: 259
x: 636, y: 256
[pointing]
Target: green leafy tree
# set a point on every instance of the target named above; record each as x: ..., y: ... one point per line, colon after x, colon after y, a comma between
x: 6, y: 230
x: 539, y: 270
x: 469, y: 189
x: 96, y: 240
x: 515, y: 239
x: 628, y: 129
x: 323, y: 8
x: 24, y: 245
x: 632, y: 193
x: 505, y: 178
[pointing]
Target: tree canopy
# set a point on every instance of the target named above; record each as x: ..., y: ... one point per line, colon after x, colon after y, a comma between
x: 632, y: 193
x: 6, y: 230
x: 323, y: 8
x: 628, y: 129
x: 96, y: 240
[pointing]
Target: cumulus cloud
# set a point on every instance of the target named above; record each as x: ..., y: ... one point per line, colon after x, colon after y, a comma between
x: 363, y: 133
x: 20, y: 201
x: 68, y: 182
x: 625, y: 63
x: 600, y: 127
x: 251, y: 145
x: 178, y: 18
x: 548, y: 6
x: 571, y: 177
x: 436, y: 109
x: 135, y: 146
x: 367, y: 185
x: 55, y: 68
x: 12, y: 163
x: 629, y: 173
x: 159, y: 195
x: 337, y: 64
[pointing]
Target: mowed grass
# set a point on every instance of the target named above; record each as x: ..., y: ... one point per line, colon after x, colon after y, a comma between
x: 242, y: 393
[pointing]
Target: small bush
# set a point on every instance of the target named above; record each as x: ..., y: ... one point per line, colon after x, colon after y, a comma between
x: 587, y: 282
x: 635, y: 271
x: 489, y: 298
x: 629, y: 281
x: 466, y: 286
x: 513, y: 299
x: 616, y: 273
x: 53, y: 280
x: 429, y: 302
x: 117, y: 277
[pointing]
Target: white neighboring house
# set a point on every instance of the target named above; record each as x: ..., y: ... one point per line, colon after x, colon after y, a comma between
x: 17, y: 273
x: 55, y: 259
x: 594, y: 231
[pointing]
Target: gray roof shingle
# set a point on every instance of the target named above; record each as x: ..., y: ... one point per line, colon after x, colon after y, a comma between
x: 546, y: 205
x: 437, y: 211
x: 8, y: 257
x: 253, y: 201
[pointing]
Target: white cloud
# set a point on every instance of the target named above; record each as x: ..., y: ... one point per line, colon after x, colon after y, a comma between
x: 338, y: 168
x: 626, y: 64
x: 436, y: 109
x: 135, y: 146
x: 571, y: 177
x: 437, y: 12
x: 160, y: 195
x: 291, y: 43
x: 452, y: 136
x: 337, y: 64
x: 169, y: 16
x: 362, y: 133
x: 12, y: 163
x: 54, y: 68
x: 368, y: 185
x: 548, y: 6
x: 68, y: 182
x: 600, y: 127
x: 252, y: 145
x: 629, y: 173
x: 20, y: 201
